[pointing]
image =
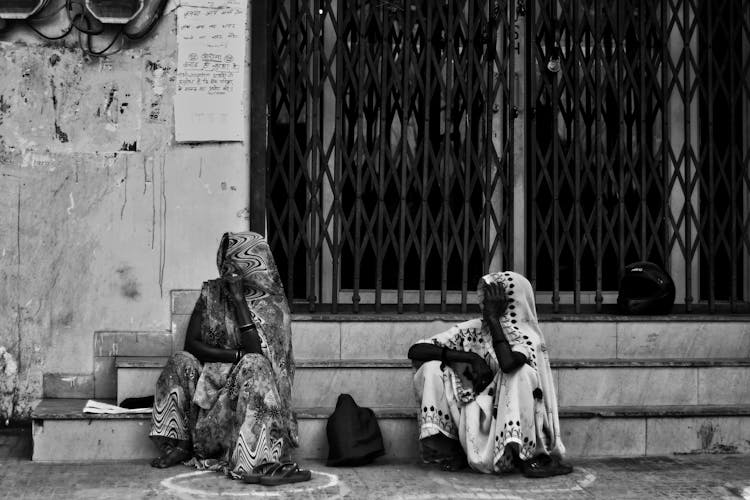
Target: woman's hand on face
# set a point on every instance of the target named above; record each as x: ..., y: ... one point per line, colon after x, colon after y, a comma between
x: 495, y: 300
x: 479, y: 373
x: 233, y: 283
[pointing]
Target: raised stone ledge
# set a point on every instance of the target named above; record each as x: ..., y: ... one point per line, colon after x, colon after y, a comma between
x: 72, y: 409
x: 159, y: 361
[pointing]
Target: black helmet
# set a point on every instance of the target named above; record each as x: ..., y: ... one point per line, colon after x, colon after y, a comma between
x: 645, y: 288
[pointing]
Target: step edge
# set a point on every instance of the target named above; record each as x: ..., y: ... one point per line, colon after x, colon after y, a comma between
x: 73, y: 412
x: 543, y: 317
x: 135, y: 362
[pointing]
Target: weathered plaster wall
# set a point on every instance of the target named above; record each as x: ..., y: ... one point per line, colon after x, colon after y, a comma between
x: 101, y: 213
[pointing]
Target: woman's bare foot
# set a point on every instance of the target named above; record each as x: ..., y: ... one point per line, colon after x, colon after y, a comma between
x: 173, y: 457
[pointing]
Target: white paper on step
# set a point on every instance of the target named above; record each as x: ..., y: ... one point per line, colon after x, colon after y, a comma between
x: 99, y: 407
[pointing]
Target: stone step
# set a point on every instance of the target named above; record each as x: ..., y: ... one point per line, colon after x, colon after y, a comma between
x: 603, y: 337
x: 63, y: 433
x: 389, y: 334
x: 593, y: 382
x: 324, y: 337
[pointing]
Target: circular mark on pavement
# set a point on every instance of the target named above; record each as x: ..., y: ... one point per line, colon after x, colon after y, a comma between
x: 512, y: 487
x: 206, y: 483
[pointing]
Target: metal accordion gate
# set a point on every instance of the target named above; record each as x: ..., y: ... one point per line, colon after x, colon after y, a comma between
x: 639, y: 147
x: 389, y: 147
x: 400, y: 157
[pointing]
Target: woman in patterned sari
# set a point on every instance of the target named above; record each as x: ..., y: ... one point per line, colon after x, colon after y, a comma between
x: 485, y: 388
x: 225, y: 401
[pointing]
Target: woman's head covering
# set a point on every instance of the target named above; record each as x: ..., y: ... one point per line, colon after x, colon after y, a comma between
x: 252, y: 259
x: 521, y: 327
x: 518, y: 291
x: 251, y: 256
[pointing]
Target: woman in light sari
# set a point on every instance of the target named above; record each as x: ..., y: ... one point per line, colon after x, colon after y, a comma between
x: 485, y: 388
x: 225, y: 401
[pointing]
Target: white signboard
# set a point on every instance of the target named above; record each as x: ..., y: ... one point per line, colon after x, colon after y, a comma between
x: 208, y: 102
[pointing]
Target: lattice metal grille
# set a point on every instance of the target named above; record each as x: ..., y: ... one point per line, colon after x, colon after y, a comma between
x: 638, y: 146
x: 389, y: 148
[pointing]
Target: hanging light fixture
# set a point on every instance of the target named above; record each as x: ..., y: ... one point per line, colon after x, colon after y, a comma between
x: 114, y: 11
x: 20, y: 9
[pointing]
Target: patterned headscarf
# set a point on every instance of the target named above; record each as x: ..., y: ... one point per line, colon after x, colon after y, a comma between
x: 251, y: 255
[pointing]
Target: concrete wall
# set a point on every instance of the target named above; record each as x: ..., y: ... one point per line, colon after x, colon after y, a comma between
x: 101, y: 212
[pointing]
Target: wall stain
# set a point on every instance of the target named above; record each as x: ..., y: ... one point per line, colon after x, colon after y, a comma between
x: 65, y: 320
x: 128, y: 283
x: 124, y: 180
x: 110, y: 98
x: 163, y: 236
x: 59, y: 134
x: 54, y: 94
x: 129, y: 146
x: 157, y: 81
x: 706, y: 435
x: 4, y: 108
x: 62, y: 185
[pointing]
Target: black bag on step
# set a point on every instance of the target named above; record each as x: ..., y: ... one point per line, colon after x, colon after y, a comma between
x: 354, y: 436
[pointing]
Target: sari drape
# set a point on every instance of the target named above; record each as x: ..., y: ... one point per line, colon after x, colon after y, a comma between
x: 236, y: 416
x: 517, y: 410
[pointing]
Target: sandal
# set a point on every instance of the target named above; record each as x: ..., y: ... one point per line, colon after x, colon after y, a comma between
x: 544, y: 466
x: 285, y: 473
x: 253, y: 477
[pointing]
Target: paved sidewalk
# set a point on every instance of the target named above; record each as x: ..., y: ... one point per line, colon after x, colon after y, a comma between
x: 719, y: 476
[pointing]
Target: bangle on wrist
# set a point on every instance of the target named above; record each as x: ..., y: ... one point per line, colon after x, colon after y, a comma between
x: 248, y: 326
x: 239, y: 355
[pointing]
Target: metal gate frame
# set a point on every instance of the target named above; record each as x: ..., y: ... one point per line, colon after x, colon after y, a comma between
x: 678, y: 84
x: 308, y: 48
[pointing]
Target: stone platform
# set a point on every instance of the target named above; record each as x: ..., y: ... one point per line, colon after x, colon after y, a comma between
x: 699, y: 476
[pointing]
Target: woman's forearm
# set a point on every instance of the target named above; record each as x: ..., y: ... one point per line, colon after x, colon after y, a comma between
x: 208, y: 354
x: 508, y: 359
x: 204, y: 352
x: 248, y: 334
x: 431, y: 352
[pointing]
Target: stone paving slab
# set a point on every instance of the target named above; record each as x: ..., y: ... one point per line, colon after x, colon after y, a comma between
x: 679, y: 477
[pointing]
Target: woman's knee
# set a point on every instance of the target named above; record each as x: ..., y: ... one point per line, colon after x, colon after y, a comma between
x: 430, y: 374
x: 256, y: 362
x: 183, y: 358
x: 430, y: 369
